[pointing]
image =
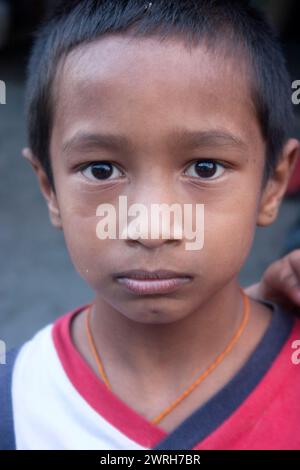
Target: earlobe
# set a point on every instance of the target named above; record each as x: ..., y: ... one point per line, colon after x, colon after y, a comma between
x: 275, y: 189
x: 45, y: 187
x: 269, y: 205
x: 54, y: 215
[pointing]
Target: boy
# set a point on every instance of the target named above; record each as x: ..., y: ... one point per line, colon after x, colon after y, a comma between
x: 179, y: 102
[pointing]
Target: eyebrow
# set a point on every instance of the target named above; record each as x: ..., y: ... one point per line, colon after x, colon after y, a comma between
x: 204, y: 138
x: 85, y: 141
x: 207, y: 138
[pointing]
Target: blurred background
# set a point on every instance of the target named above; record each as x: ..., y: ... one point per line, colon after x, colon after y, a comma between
x: 37, y: 280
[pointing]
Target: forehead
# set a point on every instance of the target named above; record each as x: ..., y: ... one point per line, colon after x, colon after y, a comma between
x: 145, y: 88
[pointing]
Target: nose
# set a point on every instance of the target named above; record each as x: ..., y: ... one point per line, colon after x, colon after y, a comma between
x: 148, y: 240
x: 154, y: 224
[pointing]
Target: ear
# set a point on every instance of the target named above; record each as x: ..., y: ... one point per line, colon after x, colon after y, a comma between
x: 276, y: 186
x: 45, y: 187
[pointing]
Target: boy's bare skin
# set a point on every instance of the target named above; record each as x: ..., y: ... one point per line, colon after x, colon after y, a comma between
x: 153, y: 347
x: 151, y: 384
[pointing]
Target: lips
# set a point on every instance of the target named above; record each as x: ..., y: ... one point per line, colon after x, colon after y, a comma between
x: 144, y: 274
x: 144, y: 282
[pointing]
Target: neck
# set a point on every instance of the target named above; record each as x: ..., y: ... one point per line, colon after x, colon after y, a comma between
x: 158, y: 351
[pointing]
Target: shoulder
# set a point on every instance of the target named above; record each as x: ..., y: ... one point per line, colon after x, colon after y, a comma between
x: 39, y: 386
x: 41, y: 350
x: 286, y: 367
x: 25, y: 352
x: 278, y: 349
x: 39, y: 343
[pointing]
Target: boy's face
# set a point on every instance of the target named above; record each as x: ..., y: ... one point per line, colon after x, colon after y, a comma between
x: 169, y: 109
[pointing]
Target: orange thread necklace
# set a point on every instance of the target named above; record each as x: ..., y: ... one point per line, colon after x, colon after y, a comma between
x: 199, y: 379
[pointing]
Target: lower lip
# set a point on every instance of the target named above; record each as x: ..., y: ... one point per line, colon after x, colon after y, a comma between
x: 155, y: 286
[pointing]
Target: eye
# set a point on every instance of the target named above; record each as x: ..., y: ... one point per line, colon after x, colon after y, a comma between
x: 206, y: 169
x: 101, y: 171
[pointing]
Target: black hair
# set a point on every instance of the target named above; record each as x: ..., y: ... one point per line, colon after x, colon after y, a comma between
x: 235, y: 22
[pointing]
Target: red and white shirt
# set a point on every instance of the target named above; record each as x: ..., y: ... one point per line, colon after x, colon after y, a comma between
x: 60, y: 403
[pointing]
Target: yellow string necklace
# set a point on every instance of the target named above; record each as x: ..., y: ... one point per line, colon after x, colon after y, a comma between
x: 199, y: 379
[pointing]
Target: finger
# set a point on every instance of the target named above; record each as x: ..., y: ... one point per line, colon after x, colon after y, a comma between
x: 290, y: 285
x: 294, y: 259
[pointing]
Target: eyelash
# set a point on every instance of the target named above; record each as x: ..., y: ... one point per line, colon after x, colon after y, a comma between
x: 214, y: 162
x: 89, y: 165
x: 209, y: 161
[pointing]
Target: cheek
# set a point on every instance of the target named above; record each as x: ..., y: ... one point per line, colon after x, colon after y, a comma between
x: 79, y: 222
x: 229, y: 234
x: 88, y: 253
